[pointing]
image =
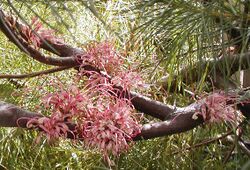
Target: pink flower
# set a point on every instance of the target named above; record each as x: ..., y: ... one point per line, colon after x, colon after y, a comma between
x: 103, y: 56
x: 111, y: 74
x: 103, y: 117
x: 127, y: 80
x: 37, y: 33
x: 110, y: 127
x: 51, y: 127
x: 66, y: 104
x: 216, y: 109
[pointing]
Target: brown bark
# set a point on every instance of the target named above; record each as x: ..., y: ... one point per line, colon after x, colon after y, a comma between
x: 14, y: 116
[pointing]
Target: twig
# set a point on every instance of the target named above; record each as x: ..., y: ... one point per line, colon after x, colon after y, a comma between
x: 34, y: 74
x: 241, y: 145
x: 205, y: 142
x: 229, y: 153
x: 16, y: 83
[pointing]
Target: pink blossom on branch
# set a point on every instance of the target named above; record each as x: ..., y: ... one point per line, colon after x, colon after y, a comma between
x: 127, y: 80
x: 104, y: 121
x: 110, y: 64
x: 103, y: 118
x: 109, y: 128
x: 65, y: 103
x: 217, y: 108
x: 111, y: 121
x: 103, y: 56
x: 51, y: 127
x: 35, y: 33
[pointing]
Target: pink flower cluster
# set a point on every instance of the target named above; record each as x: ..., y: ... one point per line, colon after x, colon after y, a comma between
x: 35, y: 34
x: 110, y: 127
x: 64, y: 106
x: 111, y: 65
x: 103, y: 118
x: 65, y: 103
x: 103, y: 56
x: 51, y: 127
x: 216, y: 108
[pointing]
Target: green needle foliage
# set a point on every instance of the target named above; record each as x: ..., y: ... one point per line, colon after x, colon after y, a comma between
x: 163, y: 36
x: 183, y: 32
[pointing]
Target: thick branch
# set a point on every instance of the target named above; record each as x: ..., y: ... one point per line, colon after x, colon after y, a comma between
x: 226, y: 65
x: 13, y: 116
x: 25, y: 47
x: 60, y: 49
x: 151, y: 107
x: 180, y: 121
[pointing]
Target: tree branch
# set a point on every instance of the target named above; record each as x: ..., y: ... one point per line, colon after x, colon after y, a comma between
x: 34, y: 74
x: 226, y: 65
x: 141, y: 103
x: 181, y: 123
x: 241, y: 144
x: 151, y: 107
x: 13, y: 116
x: 181, y: 119
x: 60, y: 49
x: 25, y: 47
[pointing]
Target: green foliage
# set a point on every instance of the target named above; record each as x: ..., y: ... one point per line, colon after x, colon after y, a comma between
x: 18, y: 151
x: 184, y: 32
x: 5, y: 91
x: 164, y: 36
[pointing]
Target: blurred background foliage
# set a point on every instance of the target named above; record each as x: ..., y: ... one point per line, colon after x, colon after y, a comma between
x: 159, y: 37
